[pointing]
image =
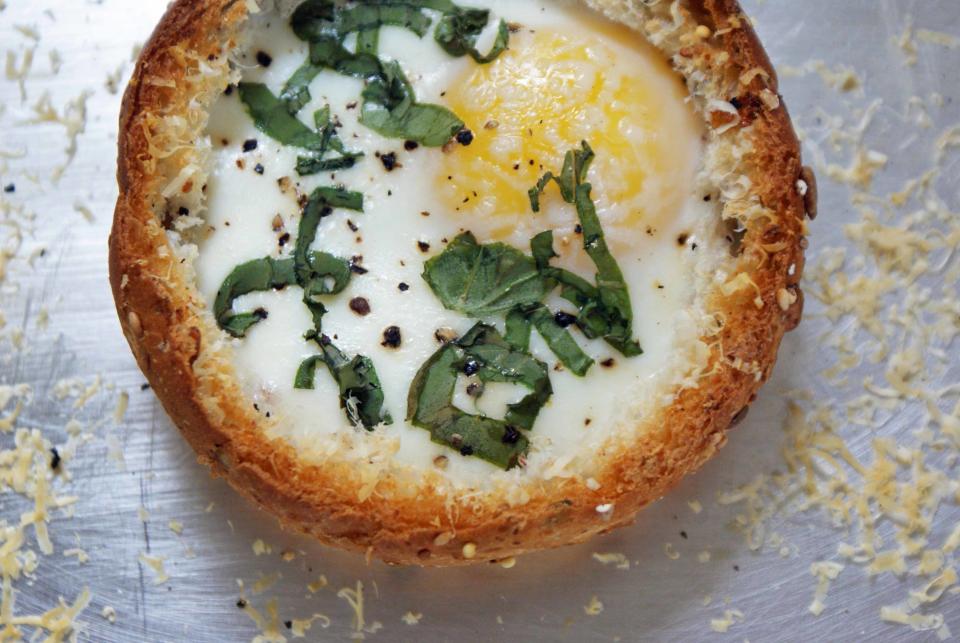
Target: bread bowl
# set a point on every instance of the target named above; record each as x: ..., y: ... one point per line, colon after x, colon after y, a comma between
x: 357, y: 456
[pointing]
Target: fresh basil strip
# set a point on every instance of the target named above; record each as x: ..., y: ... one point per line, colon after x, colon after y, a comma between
x: 296, y: 91
x: 480, y: 280
x: 361, y: 395
x: 271, y: 116
x: 607, y: 313
x: 369, y: 17
x: 458, y: 30
x: 493, y: 359
x: 558, y: 338
x: 318, y: 274
x: 329, y: 141
x: 311, y: 19
x: 390, y: 109
x: 389, y: 105
x: 253, y: 276
x: 276, y: 117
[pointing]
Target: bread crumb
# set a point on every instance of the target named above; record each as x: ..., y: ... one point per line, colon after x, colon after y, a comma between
x: 671, y: 553
x: 110, y: 614
x: 594, y: 607
x: 411, y: 618
x: 613, y: 558
x: 156, y: 564
x: 730, y: 618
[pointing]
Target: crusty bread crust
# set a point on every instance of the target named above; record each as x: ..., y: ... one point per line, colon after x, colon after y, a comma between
x: 176, y: 343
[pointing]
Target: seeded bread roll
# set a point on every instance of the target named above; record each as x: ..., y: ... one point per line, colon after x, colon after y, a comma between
x: 750, y: 169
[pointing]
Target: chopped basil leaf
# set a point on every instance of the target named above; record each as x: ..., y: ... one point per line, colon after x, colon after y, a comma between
x: 276, y: 117
x: 271, y: 117
x: 605, y: 311
x: 296, y: 91
x: 329, y: 141
x: 370, y: 17
x: 361, y: 394
x: 458, y: 30
x: 480, y: 280
x: 389, y: 106
x: 557, y: 337
x: 318, y: 274
x: 253, y: 276
x: 430, y: 402
x: 368, y: 41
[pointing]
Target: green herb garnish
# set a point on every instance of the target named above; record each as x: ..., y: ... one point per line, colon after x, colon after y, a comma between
x: 253, y: 276
x: 276, y: 117
x: 271, y: 116
x: 318, y: 274
x: 458, y: 30
x: 479, y: 280
x: 390, y: 107
x: 482, y: 352
x: 605, y: 310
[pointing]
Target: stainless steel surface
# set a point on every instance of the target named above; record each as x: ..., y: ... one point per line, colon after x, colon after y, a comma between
x: 543, y: 596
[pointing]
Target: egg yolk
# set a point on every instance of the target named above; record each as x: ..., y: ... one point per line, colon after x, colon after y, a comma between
x: 544, y: 95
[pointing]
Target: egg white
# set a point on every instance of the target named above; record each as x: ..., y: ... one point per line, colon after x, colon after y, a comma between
x: 242, y: 206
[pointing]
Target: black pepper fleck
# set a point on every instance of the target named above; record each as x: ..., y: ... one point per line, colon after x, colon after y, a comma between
x: 410, y: 145
x: 578, y: 229
x: 261, y: 313
x: 682, y: 239
x: 258, y: 168
x: 284, y: 238
x: 464, y: 137
x: 288, y: 624
x: 683, y: 535
x: 389, y: 161
x: 424, y: 246
x: 563, y: 319
x: 144, y: 387
x: 466, y: 449
x: 355, y: 266
x: 360, y: 305
x: 510, y: 435
x: 241, y: 603
x: 391, y: 337
x: 608, y: 363
x: 10, y: 187
x: 250, y: 145
x: 353, y: 226
x: 471, y: 366
x: 54, y: 458
x: 183, y: 211
x: 403, y: 286
x: 264, y: 59
x: 228, y: 90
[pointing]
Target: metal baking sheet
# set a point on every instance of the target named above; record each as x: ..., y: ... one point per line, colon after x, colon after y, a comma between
x: 135, y: 476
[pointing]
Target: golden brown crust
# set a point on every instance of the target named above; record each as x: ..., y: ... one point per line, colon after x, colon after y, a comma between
x: 164, y: 323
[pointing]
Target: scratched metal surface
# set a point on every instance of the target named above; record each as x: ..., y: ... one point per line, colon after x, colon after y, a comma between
x: 543, y: 596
